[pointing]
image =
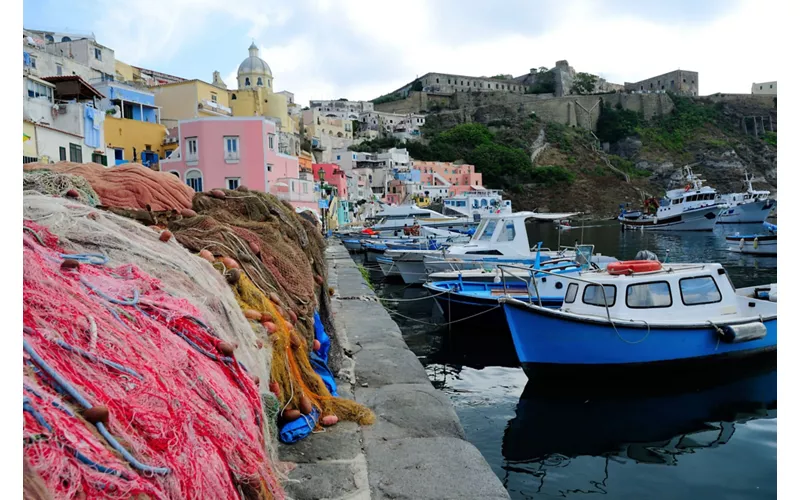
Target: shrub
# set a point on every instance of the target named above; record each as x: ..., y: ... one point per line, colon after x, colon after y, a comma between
x: 615, y: 124
x: 552, y: 175
x: 771, y: 138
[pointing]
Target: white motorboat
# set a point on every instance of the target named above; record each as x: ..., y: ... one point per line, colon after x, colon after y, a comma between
x: 693, y: 208
x: 749, y: 207
x: 755, y: 244
x: 392, y: 221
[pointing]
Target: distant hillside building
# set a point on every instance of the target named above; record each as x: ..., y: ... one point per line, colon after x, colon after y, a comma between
x: 766, y: 88
x: 345, y: 110
x: 678, y: 81
x: 444, y: 83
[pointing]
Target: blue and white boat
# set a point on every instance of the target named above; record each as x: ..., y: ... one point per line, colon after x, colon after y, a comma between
x: 635, y: 314
x: 387, y: 266
x: 765, y: 243
x: 752, y: 206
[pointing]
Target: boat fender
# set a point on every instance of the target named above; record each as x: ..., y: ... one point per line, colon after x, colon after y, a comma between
x: 755, y: 243
x: 741, y: 244
x: 773, y: 292
x: 742, y: 333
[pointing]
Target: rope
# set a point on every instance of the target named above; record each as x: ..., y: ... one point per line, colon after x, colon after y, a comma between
x: 88, y: 258
x: 443, y: 324
x: 72, y: 392
x: 35, y: 235
x: 415, y: 300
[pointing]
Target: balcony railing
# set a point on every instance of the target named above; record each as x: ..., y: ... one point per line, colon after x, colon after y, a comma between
x: 213, y: 107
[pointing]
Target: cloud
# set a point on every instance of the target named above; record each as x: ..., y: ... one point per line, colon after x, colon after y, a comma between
x: 360, y: 49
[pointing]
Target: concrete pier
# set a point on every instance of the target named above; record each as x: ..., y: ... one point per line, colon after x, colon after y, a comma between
x: 416, y: 449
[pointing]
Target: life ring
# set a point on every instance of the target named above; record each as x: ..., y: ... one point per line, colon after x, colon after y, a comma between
x: 633, y: 266
x: 688, y: 187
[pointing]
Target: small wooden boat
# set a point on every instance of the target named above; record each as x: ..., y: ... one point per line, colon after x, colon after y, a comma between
x: 642, y: 313
x: 755, y: 244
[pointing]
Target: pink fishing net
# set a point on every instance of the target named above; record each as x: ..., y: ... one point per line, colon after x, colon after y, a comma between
x: 187, y: 417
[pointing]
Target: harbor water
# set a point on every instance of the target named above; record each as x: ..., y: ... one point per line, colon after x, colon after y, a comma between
x: 714, y: 437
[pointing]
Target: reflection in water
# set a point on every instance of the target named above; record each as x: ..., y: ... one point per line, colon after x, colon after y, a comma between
x: 555, y: 427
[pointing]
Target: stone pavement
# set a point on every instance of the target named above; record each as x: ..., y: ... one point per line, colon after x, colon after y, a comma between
x: 416, y: 449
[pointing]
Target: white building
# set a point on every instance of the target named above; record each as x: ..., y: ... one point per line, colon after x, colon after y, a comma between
x: 61, y: 116
x: 765, y: 88
x: 83, y: 57
x: 401, y: 125
x: 342, y: 109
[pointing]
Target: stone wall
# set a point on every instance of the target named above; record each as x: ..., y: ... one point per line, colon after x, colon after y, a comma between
x: 679, y: 81
x: 415, y: 102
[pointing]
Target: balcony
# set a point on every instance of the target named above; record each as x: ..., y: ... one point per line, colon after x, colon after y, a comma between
x: 214, y: 108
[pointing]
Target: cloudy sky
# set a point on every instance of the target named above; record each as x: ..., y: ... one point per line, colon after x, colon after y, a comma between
x: 360, y: 49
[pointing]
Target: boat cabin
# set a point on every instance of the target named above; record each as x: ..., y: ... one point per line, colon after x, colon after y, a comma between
x: 674, y: 294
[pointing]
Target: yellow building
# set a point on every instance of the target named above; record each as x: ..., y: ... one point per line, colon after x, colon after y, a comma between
x: 191, y: 99
x: 125, y: 72
x: 135, y: 140
x: 316, y: 124
x: 306, y: 161
x: 29, y: 140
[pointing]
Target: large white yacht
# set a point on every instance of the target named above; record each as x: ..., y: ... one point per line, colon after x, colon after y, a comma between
x: 477, y: 203
x: 692, y: 208
x: 749, y: 207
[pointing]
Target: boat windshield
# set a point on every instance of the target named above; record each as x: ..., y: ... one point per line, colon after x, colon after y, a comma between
x: 488, y: 230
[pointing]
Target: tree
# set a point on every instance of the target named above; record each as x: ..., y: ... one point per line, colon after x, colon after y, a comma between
x: 584, y: 83
x: 500, y: 165
x: 615, y: 124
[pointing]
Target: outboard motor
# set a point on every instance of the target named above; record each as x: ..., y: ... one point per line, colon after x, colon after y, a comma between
x: 646, y: 255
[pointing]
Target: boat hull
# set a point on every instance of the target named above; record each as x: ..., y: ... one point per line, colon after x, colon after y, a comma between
x: 756, y: 212
x: 766, y: 245
x: 696, y: 220
x: 548, y: 339
x: 387, y: 266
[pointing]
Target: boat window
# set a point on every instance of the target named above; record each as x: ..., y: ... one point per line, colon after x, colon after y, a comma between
x: 700, y: 290
x: 507, y: 233
x: 593, y: 295
x: 676, y: 201
x: 646, y: 295
x: 489, y: 230
x: 572, y: 292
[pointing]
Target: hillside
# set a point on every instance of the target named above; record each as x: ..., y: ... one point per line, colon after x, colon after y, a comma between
x: 552, y: 167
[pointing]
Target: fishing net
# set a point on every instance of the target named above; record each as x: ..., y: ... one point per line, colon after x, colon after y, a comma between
x: 127, y: 392
x: 127, y: 186
x: 84, y: 230
x: 57, y: 184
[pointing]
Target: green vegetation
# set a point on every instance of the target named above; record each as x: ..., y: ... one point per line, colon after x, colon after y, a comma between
x: 499, y: 77
x: 545, y: 82
x: 672, y: 132
x: 771, y: 138
x: 628, y: 167
x: 365, y: 275
x: 616, y: 123
x: 376, y: 145
x: 551, y: 175
x: 558, y: 135
x: 584, y: 83
x: 388, y: 98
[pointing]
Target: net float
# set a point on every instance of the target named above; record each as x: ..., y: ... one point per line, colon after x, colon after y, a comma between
x: 266, y: 317
x: 70, y: 264
x: 274, y: 298
x: 270, y: 326
x: 188, y: 212
x: 294, y: 339
x: 252, y: 314
x: 218, y: 193
x: 274, y: 388
x: 329, y: 420
x: 255, y: 248
x: 165, y: 236
x: 292, y: 316
x: 259, y: 344
x: 230, y: 263
x: 318, y: 279
x: 73, y: 193
x: 205, y: 254
x: 92, y: 215
x: 256, y: 380
x: 225, y: 348
x: 232, y: 276
x: 96, y: 414
x: 305, y: 405
x: 317, y: 345
x: 291, y: 415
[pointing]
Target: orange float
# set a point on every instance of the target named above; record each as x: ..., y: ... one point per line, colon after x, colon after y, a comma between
x: 633, y: 266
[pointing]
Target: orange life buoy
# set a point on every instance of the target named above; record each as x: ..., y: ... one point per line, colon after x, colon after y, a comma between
x: 688, y: 187
x: 368, y: 231
x: 633, y: 266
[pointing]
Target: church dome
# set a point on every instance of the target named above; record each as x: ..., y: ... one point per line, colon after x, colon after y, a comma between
x: 254, y: 65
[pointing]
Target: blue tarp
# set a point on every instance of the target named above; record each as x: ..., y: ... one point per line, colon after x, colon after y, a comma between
x: 91, y: 126
x: 294, y: 431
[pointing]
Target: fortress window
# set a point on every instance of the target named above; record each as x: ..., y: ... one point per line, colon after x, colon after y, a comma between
x: 247, y: 82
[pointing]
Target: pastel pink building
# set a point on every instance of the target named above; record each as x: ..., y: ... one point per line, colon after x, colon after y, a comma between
x: 438, y: 173
x: 333, y: 176
x: 231, y: 152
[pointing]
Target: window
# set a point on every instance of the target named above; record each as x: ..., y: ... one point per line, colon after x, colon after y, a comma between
x: 62, y: 153
x: 231, y: 148
x: 66, y: 39
x: 59, y: 70
x: 489, y: 230
x: 232, y: 182
x: 259, y: 82
x: 247, y: 82
x: 191, y: 149
x: 233, y: 97
x: 194, y: 179
x: 268, y: 83
x: 305, y: 187
x: 269, y: 167
x: 700, y: 290
x: 572, y: 292
x: 272, y: 141
x: 49, y: 38
x: 33, y: 62
x: 508, y: 232
x: 647, y: 295
x: 593, y: 295
x: 36, y: 89
x: 338, y: 157
x: 213, y: 97
x: 437, y: 80
x: 98, y: 54
x: 75, y: 153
